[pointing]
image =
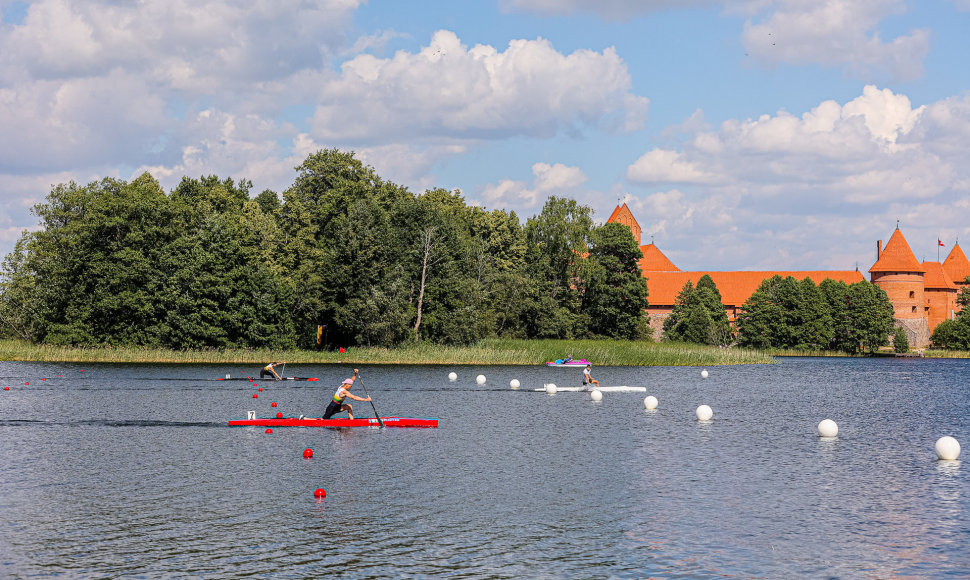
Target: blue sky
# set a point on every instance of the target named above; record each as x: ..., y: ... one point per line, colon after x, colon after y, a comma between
x: 744, y: 134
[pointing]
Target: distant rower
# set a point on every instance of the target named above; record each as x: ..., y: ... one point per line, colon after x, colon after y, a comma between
x: 588, y: 377
x: 270, y: 371
x: 343, y: 392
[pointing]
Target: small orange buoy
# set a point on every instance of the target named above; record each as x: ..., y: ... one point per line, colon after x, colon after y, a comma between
x: 320, y: 492
x: 308, y: 453
x: 269, y: 430
x: 43, y: 379
x: 255, y: 396
x: 279, y: 415
x: 260, y: 389
x: 273, y: 404
x: 6, y: 388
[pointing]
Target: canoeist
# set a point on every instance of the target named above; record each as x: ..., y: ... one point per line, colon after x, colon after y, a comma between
x: 343, y: 392
x: 569, y: 358
x: 270, y: 371
x: 588, y: 377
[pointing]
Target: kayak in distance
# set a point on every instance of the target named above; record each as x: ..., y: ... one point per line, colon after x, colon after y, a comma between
x: 573, y: 363
x: 615, y: 389
x: 269, y: 379
x: 420, y: 422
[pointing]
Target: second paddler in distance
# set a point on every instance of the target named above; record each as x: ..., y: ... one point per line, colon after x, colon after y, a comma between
x: 343, y: 392
x: 588, y: 377
x: 270, y: 371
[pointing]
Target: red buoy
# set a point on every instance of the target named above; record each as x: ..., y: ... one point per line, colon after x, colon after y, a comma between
x: 255, y: 396
x: 320, y: 492
x: 43, y: 379
x: 6, y: 388
x: 269, y: 430
x: 273, y: 404
x: 308, y: 453
x: 27, y: 383
x: 279, y: 415
x: 260, y: 389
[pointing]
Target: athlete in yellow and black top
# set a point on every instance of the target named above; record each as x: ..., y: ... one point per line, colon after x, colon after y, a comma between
x: 343, y: 392
x: 270, y: 371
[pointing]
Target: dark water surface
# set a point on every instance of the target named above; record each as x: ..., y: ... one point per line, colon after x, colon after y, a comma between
x: 131, y: 471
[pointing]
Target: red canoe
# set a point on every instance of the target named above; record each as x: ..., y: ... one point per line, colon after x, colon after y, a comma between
x: 317, y: 422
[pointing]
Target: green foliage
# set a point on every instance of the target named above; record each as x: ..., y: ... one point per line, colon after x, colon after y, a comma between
x: 698, y: 315
x: 788, y: 314
x: 952, y: 334
x: 900, y: 340
x: 963, y: 297
x: 615, y: 291
x: 207, y: 266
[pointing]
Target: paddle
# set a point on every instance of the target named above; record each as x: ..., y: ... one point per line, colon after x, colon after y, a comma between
x: 368, y: 396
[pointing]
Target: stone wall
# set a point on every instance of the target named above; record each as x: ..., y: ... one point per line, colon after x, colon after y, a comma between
x: 917, y: 331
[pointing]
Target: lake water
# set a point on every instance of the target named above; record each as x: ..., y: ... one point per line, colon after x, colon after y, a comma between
x: 132, y: 471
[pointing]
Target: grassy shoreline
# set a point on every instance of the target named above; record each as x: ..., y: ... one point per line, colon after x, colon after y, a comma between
x: 492, y: 351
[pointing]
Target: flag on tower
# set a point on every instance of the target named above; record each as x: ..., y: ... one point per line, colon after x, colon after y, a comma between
x: 940, y: 242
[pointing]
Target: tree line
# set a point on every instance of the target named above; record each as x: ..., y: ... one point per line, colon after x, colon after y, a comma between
x: 785, y: 313
x: 207, y: 265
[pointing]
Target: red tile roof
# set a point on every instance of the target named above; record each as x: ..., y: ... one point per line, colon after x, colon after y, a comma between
x: 735, y: 287
x: 936, y: 278
x: 897, y: 256
x: 655, y: 260
x: 956, y: 265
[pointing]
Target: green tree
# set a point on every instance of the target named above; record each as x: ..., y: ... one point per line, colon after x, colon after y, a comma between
x: 615, y: 295
x: 557, y: 242
x: 870, y: 315
x: 900, y: 340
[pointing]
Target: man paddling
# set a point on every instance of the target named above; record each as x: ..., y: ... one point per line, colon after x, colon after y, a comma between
x: 588, y: 377
x: 270, y: 371
x: 343, y: 392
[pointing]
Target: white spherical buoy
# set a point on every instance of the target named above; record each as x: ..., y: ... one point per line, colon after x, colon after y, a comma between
x: 452, y: 376
x: 704, y: 413
x: 704, y: 374
x: 650, y: 402
x: 828, y: 428
x: 596, y: 395
x: 947, y: 448
x: 514, y: 383
x: 551, y: 388
x: 480, y: 379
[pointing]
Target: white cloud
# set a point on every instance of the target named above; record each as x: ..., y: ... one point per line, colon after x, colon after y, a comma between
x: 784, y: 183
x: 839, y: 33
x: 559, y: 180
x: 448, y: 90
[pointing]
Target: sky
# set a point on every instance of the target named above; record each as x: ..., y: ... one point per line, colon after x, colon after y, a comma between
x: 743, y: 134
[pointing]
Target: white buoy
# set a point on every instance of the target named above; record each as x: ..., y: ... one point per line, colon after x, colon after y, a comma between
x: 596, y: 395
x: 452, y: 376
x: 480, y: 379
x: 514, y: 383
x: 947, y: 448
x: 551, y: 388
x: 828, y: 428
x: 704, y: 374
x: 650, y: 402
x: 704, y: 413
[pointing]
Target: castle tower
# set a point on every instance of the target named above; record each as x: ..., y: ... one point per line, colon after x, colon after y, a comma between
x: 941, y: 294
x: 623, y: 215
x: 899, y: 273
x: 655, y: 261
x: 956, y: 266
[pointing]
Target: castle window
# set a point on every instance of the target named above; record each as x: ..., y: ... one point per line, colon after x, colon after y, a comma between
x: 914, y: 309
x: 912, y: 294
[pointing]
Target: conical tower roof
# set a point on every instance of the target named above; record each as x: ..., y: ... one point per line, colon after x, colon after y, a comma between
x: 936, y: 278
x: 956, y: 265
x: 897, y: 256
x: 623, y: 215
x: 655, y: 261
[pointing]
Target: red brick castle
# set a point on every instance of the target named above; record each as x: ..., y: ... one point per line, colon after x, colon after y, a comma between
x: 922, y: 294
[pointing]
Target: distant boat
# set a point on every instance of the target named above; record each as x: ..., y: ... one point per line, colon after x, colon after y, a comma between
x: 573, y: 363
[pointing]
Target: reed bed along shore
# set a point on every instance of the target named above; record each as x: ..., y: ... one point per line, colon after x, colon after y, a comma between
x: 486, y: 352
